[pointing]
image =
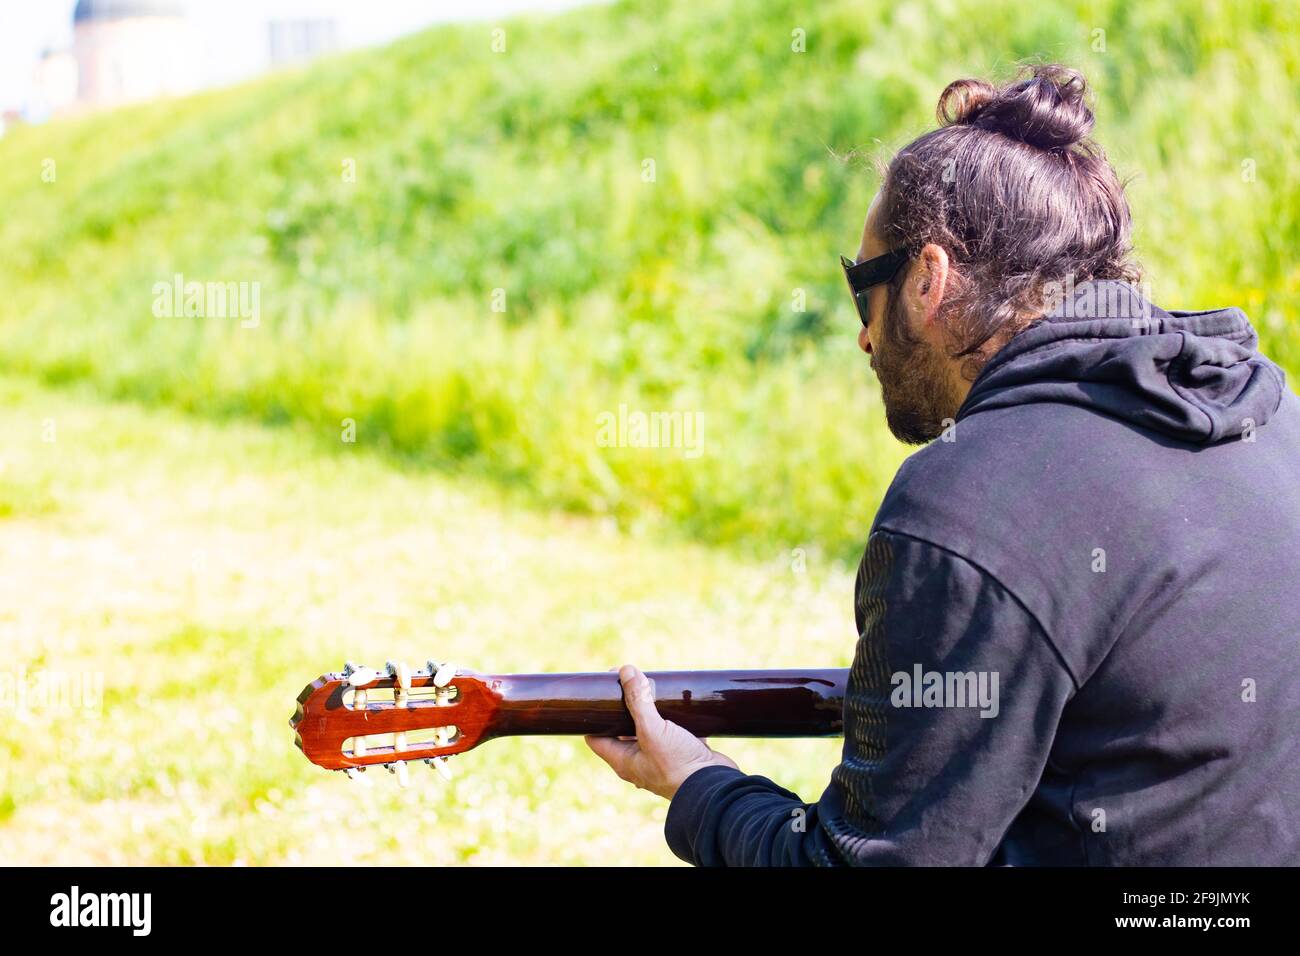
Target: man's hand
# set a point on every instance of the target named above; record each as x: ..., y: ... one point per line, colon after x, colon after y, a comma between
x: 663, y: 754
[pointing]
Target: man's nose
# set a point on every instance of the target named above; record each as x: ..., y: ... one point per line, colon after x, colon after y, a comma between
x: 864, y: 340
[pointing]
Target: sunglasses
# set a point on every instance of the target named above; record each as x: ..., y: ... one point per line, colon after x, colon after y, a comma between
x: 863, y: 276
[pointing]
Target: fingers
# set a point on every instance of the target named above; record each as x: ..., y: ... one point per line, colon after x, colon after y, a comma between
x: 639, y: 695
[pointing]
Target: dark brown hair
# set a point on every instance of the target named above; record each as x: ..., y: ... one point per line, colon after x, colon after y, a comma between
x: 1011, y: 186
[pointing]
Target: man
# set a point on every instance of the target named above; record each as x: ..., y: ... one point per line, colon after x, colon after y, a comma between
x: 1079, y: 606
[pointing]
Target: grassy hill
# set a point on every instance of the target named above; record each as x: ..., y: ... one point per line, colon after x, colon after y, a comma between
x: 524, y: 171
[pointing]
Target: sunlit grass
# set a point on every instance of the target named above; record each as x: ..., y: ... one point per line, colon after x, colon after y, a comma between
x: 523, y: 171
x: 210, y: 572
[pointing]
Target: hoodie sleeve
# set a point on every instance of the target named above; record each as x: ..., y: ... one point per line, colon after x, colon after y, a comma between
x: 950, y: 713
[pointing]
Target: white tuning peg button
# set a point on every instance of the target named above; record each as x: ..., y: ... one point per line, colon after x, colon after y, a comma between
x: 354, y: 774
x: 401, y: 772
x: 401, y: 673
x: 396, y: 670
x: 440, y: 764
x: 363, y: 675
x: 444, y: 675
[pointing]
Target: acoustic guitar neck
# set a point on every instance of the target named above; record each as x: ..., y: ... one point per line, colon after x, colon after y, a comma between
x: 361, y: 717
x: 748, y: 703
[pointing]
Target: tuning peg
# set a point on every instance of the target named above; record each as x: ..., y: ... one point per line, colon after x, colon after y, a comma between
x: 443, y: 675
x: 359, y: 675
x: 355, y: 773
x: 400, y: 673
x: 440, y: 764
x: 399, y: 770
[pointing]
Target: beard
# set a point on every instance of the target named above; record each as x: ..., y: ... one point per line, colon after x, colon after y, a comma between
x: 913, y: 381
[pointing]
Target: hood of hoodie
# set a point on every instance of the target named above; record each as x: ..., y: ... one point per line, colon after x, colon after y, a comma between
x: 1195, y: 376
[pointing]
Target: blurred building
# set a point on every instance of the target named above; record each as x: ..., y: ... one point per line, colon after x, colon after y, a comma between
x: 128, y: 50
x: 54, y: 87
x: 125, y: 51
x: 294, y: 41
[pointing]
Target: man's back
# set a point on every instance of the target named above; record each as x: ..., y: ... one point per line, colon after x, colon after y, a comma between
x: 1132, y: 482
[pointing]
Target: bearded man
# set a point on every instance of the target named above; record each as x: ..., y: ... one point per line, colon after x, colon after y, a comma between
x: 1103, y: 531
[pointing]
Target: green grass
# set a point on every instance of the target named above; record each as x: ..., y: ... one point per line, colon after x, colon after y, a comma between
x: 209, y: 571
x: 522, y: 171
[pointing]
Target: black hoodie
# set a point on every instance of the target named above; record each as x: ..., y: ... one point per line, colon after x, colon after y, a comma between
x: 1078, y: 618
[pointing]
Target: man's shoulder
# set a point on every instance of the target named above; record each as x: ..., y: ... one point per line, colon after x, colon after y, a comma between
x: 1027, y: 494
x: 991, y: 472
x: 960, y: 476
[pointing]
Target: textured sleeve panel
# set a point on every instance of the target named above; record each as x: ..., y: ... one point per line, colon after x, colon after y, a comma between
x: 950, y: 713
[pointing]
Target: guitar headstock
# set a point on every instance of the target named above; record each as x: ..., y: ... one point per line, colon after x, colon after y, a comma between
x: 361, y: 717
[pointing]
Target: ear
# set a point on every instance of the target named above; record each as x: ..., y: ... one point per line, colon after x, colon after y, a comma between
x: 931, y: 278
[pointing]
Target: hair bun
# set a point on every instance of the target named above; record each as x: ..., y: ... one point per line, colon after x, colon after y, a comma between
x: 1046, y: 107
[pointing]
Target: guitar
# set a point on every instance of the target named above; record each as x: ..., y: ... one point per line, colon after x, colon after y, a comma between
x: 362, y: 718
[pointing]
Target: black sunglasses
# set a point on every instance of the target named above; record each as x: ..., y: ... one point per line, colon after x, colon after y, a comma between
x: 862, y: 276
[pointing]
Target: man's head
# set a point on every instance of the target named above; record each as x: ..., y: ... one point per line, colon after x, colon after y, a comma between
x: 1007, y: 198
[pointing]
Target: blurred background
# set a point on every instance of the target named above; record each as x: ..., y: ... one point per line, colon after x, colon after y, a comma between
x: 314, y: 319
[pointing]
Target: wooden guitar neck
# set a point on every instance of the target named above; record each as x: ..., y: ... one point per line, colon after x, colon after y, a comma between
x: 756, y: 703
x: 360, y: 718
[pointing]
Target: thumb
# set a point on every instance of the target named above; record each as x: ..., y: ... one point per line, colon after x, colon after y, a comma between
x: 639, y: 695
